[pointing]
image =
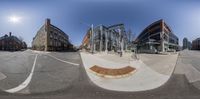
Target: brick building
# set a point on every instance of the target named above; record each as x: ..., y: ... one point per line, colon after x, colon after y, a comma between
x: 196, y: 44
x: 51, y: 38
x: 11, y: 43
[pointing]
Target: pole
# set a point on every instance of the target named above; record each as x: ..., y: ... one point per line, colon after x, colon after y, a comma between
x: 92, y: 39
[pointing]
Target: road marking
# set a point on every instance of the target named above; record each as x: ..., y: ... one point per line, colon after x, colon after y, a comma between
x: 26, y: 82
x: 63, y: 60
x: 2, y: 76
x: 40, y: 52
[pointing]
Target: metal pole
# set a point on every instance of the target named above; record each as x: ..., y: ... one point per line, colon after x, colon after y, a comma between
x: 92, y: 39
x: 106, y: 38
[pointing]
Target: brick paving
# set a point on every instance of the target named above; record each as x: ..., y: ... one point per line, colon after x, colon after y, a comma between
x: 112, y: 71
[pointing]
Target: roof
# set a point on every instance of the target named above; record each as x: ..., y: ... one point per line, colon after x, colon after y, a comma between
x: 10, y: 37
x: 161, y: 21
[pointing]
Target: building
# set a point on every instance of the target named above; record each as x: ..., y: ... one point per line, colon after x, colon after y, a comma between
x: 196, y: 44
x: 24, y: 45
x: 189, y: 45
x: 11, y: 43
x: 157, y: 37
x: 104, y: 39
x: 186, y: 44
x: 51, y: 38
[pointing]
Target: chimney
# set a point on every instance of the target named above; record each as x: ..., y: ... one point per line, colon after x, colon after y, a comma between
x: 47, y: 24
x: 10, y: 33
x: 47, y: 21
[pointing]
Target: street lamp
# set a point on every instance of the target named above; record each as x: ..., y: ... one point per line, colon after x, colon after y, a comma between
x: 92, y: 35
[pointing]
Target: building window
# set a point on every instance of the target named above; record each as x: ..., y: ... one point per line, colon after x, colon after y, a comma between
x: 51, y: 43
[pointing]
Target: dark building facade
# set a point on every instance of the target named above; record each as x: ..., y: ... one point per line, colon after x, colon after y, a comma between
x: 11, y: 43
x: 51, y: 38
x: 196, y: 44
x: 189, y: 45
x: 157, y: 37
x: 103, y: 39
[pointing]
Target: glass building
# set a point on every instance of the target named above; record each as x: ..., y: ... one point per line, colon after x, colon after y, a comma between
x: 157, y: 37
x: 104, y: 39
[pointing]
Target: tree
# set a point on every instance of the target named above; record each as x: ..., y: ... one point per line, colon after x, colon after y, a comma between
x: 21, y: 38
x: 129, y: 34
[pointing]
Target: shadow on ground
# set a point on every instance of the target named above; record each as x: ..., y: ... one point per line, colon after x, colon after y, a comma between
x: 177, y: 87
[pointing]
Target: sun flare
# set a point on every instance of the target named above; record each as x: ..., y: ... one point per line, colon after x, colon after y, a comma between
x: 14, y: 19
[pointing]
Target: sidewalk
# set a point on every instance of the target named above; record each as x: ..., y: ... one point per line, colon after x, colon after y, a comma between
x: 163, y: 64
x: 143, y: 79
x: 185, y: 67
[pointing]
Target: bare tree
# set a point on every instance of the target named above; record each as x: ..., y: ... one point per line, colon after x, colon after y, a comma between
x: 133, y: 37
x: 21, y: 38
x: 129, y: 34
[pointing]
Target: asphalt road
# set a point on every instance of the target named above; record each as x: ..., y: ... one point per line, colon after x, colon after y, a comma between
x: 57, y: 79
x: 16, y: 66
x: 191, y: 57
x: 51, y: 72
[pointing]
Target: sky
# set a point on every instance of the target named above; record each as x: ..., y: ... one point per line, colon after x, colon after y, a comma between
x: 74, y: 17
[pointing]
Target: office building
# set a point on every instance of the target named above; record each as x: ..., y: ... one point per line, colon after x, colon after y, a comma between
x: 157, y: 37
x: 105, y: 39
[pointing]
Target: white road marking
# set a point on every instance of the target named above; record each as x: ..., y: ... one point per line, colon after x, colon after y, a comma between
x: 26, y: 82
x: 63, y: 60
x: 2, y: 76
x: 46, y: 53
x: 40, y: 52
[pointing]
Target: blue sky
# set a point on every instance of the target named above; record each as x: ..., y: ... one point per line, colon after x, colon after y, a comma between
x: 73, y: 16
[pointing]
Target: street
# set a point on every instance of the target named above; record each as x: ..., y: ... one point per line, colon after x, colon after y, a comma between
x: 60, y: 75
x: 49, y: 71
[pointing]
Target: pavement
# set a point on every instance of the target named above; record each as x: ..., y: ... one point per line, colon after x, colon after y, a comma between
x: 163, y: 64
x: 2, y: 76
x: 177, y: 87
x: 30, y: 71
x: 16, y: 67
x: 189, y: 65
x: 145, y: 78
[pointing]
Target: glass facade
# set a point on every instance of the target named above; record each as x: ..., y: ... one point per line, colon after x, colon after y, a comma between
x: 112, y: 38
x: 157, y: 37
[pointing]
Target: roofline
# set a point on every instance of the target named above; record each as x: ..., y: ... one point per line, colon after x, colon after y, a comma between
x: 161, y: 20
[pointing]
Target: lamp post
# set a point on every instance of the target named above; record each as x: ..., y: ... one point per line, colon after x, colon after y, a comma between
x: 92, y: 36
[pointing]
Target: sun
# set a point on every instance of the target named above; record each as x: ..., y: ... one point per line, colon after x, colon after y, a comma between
x: 15, y: 19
